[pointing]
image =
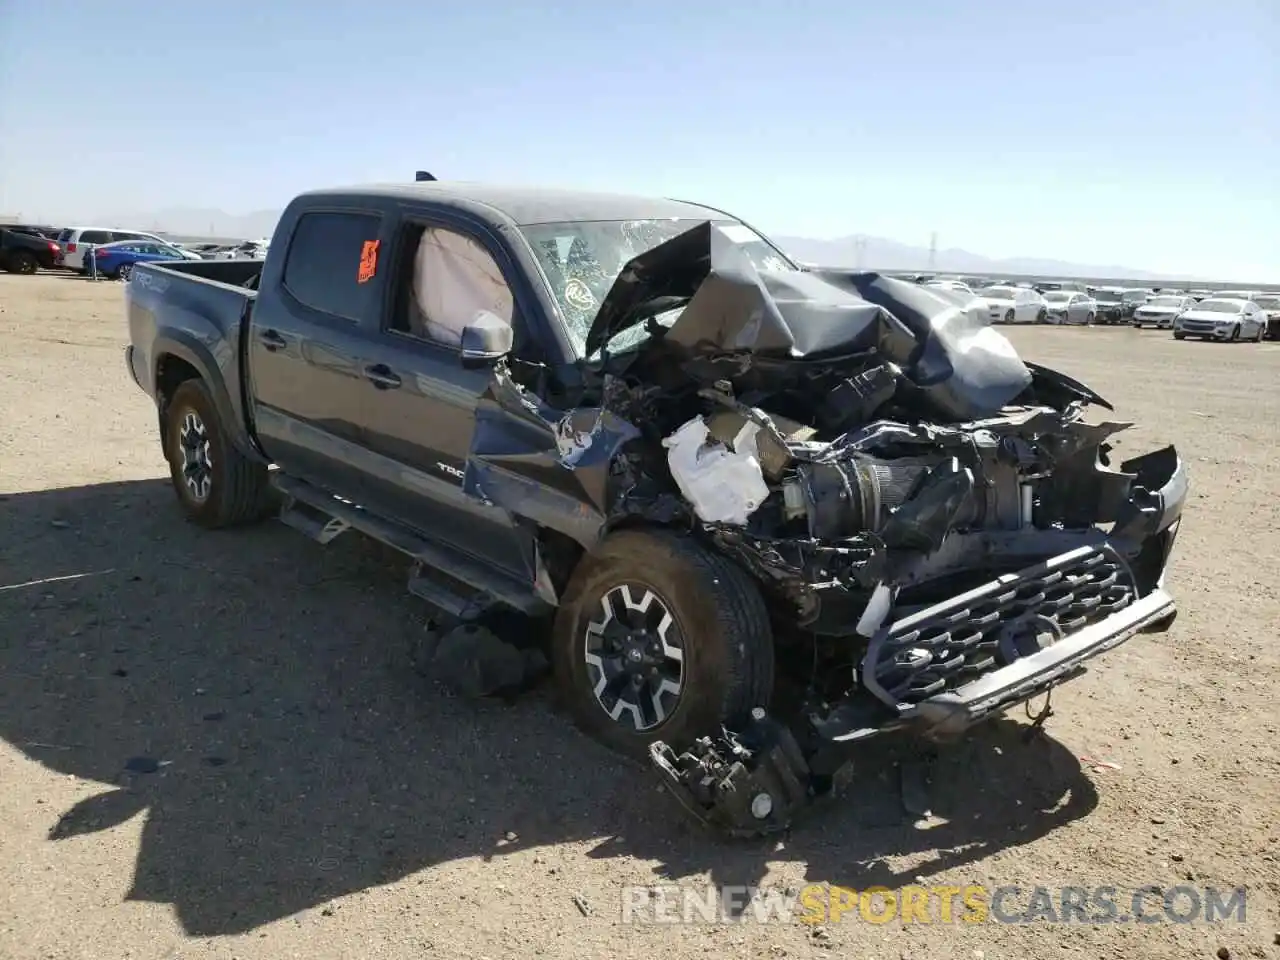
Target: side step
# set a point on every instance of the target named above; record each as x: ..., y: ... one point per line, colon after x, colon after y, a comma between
x: 458, y: 584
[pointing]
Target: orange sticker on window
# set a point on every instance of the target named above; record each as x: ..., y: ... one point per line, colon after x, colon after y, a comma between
x: 368, y: 261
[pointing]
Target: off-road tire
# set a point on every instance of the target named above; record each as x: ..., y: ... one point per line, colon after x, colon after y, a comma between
x: 238, y: 491
x: 721, y: 615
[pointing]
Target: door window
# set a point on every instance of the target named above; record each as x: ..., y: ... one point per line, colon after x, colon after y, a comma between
x: 451, y: 279
x: 332, y: 257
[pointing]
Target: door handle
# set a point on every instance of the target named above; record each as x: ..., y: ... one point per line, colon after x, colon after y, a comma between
x: 382, y: 376
x: 272, y: 340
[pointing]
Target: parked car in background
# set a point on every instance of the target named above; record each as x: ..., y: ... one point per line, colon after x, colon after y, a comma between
x: 1070, y: 306
x: 1109, y: 305
x: 1044, y: 286
x: 1132, y: 298
x: 1160, y: 310
x: 116, y: 260
x: 35, y: 230
x: 1236, y: 294
x: 22, y: 252
x: 1014, y: 305
x: 76, y: 240
x: 1222, y: 318
x: 1269, y: 303
x: 959, y: 286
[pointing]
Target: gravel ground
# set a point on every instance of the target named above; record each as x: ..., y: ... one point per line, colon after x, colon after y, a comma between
x: 314, y: 799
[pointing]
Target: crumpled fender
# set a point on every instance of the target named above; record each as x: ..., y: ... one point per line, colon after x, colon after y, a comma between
x: 549, y: 466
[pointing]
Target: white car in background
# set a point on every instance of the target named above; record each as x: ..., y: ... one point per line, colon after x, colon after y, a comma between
x: 76, y: 241
x: 958, y: 286
x: 1006, y: 304
x: 1070, y: 306
x: 1160, y: 310
x: 1222, y: 318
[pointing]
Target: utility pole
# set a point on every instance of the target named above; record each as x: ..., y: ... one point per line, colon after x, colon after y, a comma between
x: 933, y: 251
x: 859, y: 250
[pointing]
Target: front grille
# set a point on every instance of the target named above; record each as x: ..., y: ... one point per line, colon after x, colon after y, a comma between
x: 956, y: 641
x: 1197, y: 326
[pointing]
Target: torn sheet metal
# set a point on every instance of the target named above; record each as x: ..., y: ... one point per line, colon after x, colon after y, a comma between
x: 544, y: 464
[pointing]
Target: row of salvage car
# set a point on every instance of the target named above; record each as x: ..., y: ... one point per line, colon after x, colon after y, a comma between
x: 1219, y: 315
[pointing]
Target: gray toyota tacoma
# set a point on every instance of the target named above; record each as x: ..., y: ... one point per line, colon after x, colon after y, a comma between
x: 727, y: 482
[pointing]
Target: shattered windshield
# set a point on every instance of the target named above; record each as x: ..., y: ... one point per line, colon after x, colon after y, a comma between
x: 583, y: 258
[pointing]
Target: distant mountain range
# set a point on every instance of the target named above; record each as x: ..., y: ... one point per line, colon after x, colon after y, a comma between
x: 875, y: 253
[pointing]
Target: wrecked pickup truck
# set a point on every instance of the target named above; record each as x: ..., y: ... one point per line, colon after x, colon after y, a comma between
x: 713, y: 472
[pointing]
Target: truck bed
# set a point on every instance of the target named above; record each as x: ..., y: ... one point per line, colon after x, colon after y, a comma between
x: 201, y: 324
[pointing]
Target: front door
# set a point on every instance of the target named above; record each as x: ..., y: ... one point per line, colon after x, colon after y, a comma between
x: 419, y: 414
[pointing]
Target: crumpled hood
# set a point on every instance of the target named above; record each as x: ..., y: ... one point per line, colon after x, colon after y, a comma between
x: 940, y: 339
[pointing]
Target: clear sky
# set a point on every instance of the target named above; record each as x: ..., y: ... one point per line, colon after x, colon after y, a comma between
x: 1139, y: 133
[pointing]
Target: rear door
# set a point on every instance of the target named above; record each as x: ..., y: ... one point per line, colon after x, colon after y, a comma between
x: 420, y: 401
x: 305, y: 351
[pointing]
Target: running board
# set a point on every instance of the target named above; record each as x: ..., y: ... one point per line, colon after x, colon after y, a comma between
x: 454, y: 578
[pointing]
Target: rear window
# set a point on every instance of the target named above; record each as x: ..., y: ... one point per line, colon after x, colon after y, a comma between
x: 95, y: 236
x: 328, y: 257
x: 66, y: 235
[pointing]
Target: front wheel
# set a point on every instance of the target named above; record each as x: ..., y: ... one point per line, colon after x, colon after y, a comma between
x: 1008, y: 316
x: 125, y: 272
x: 1235, y: 333
x: 659, y: 638
x: 1179, y: 335
x: 216, y: 484
x: 1042, y: 317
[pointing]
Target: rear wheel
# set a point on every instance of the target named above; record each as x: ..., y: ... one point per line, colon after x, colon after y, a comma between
x: 125, y: 271
x: 658, y: 637
x: 1261, y: 334
x: 216, y: 484
x: 23, y: 262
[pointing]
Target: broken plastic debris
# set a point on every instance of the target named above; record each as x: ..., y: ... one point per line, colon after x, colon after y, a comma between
x: 724, y: 483
x: 1099, y: 765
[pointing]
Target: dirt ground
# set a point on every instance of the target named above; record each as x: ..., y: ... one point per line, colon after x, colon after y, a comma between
x: 211, y: 745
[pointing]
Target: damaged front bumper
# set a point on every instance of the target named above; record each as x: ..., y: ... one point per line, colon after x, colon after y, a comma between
x: 937, y: 671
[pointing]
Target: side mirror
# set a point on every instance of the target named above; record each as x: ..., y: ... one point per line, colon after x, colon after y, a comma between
x: 485, y: 339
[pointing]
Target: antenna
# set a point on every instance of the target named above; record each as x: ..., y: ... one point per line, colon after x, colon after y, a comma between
x: 933, y: 251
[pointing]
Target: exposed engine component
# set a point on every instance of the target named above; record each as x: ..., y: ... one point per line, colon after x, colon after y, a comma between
x: 723, y: 482
x: 851, y: 495
x: 745, y: 783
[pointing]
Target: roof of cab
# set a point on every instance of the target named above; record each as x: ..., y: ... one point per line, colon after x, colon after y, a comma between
x: 524, y: 205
